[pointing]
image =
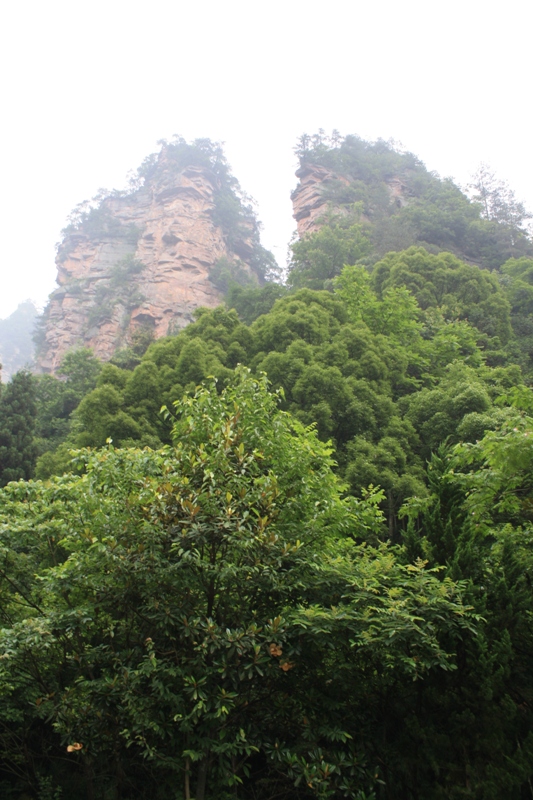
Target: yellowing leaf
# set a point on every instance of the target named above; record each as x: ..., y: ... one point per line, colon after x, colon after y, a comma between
x: 287, y: 665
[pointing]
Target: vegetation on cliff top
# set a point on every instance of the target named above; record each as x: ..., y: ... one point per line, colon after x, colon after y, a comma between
x: 406, y: 204
x: 117, y: 292
x: 233, y: 211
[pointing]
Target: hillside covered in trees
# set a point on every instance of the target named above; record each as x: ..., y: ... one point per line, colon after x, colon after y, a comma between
x: 287, y: 552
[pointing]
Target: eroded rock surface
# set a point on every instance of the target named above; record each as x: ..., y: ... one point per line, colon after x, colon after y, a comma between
x: 147, y: 264
x: 311, y: 202
x: 308, y: 200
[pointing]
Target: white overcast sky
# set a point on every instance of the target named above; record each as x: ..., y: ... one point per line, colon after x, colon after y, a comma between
x: 87, y: 89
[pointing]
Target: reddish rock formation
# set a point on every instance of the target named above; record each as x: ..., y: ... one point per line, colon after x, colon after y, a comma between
x: 147, y: 264
x: 309, y: 203
x: 310, y: 200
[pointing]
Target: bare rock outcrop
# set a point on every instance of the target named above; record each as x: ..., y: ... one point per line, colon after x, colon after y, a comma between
x: 311, y: 201
x: 308, y: 200
x: 143, y: 259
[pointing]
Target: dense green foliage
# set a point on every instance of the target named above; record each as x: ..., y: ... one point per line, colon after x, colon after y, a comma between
x: 517, y: 277
x: 214, y: 619
x: 196, y: 616
x: 385, y: 377
x: 316, y: 258
x: 309, y: 574
x: 406, y: 205
x: 17, y: 424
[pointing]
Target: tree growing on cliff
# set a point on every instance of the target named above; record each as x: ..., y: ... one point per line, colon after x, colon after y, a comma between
x: 320, y: 256
x: 497, y: 200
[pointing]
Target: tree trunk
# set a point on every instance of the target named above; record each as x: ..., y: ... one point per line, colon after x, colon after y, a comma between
x: 89, y: 785
x: 120, y: 779
x: 187, y: 778
x: 202, y: 779
x: 391, y: 515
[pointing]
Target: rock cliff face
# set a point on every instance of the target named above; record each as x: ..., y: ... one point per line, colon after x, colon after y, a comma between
x: 308, y: 201
x: 144, y: 259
